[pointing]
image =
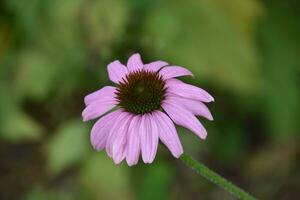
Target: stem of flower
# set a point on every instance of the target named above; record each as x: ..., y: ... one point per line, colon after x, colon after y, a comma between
x: 216, y: 178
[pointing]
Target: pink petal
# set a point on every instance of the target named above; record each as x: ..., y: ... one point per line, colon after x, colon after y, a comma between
x: 116, y: 71
x: 179, y: 88
x: 133, y: 142
x: 155, y: 66
x: 135, y: 62
x: 174, y: 71
x: 149, y: 138
x: 117, y: 138
x: 183, y: 117
x: 196, y: 107
x: 98, y: 108
x: 101, y: 129
x: 167, y: 133
x: 107, y: 91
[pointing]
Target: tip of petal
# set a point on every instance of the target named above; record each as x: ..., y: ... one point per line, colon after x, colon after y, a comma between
x: 111, y: 64
x: 178, y: 155
x: 190, y: 73
x: 84, y: 118
x: 148, y: 160
x: 136, y: 54
x: 209, y: 117
x: 117, y: 159
x: 209, y: 99
x: 95, y: 146
x: 136, y: 57
x: 117, y: 162
x: 203, y: 136
x: 130, y: 164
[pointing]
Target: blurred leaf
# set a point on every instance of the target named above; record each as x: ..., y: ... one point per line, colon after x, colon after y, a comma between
x: 35, y: 75
x: 68, y: 146
x: 27, y: 16
x: 76, y: 33
x: 242, y: 13
x: 38, y: 194
x: 55, y: 62
x: 50, y: 69
x: 64, y: 13
x: 153, y: 181
x: 104, y: 21
x: 281, y: 47
x: 5, y: 38
x: 105, y: 180
x: 191, y: 142
x: 41, y: 193
x: 230, y: 145
x: 206, y: 37
x: 14, y: 124
x: 97, y: 24
x: 269, y: 168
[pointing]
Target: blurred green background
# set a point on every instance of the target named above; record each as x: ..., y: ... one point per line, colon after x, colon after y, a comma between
x: 246, y: 53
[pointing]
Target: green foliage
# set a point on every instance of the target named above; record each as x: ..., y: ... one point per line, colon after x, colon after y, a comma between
x: 26, y: 18
x: 35, y: 75
x: 39, y: 194
x: 281, y: 66
x: 230, y: 146
x: 104, y: 180
x: 153, y: 181
x: 105, y: 22
x: 208, y: 38
x: 68, y: 146
x: 15, y: 124
x: 54, y: 52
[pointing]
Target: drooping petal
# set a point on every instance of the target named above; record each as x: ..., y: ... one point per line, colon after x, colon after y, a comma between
x: 98, y: 108
x: 133, y: 141
x: 119, y: 148
x: 107, y: 91
x: 174, y: 71
x: 179, y: 88
x: 185, y: 118
x: 149, y: 138
x: 101, y: 129
x: 196, y: 107
x: 135, y: 62
x: 116, y: 71
x: 155, y: 66
x: 168, y: 134
x: 154, y: 138
x: 113, y: 132
x: 116, y: 141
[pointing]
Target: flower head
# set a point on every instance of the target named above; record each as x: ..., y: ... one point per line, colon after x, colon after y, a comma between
x: 143, y: 108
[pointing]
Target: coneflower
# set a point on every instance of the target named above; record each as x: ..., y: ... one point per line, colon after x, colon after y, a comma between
x: 143, y: 108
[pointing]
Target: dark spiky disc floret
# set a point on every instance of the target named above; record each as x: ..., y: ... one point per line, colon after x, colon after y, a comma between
x: 141, y: 92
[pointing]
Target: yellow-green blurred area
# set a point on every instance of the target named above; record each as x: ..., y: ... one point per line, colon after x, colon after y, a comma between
x: 246, y: 53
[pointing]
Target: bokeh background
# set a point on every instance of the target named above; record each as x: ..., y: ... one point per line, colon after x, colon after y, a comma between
x: 246, y: 53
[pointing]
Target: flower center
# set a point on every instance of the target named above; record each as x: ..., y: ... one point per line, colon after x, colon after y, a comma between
x: 141, y: 92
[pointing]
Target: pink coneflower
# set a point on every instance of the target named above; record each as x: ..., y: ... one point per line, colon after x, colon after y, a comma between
x: 142, y: 108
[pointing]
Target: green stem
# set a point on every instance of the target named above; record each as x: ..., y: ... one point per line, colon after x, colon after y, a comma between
x: 215, y: 178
